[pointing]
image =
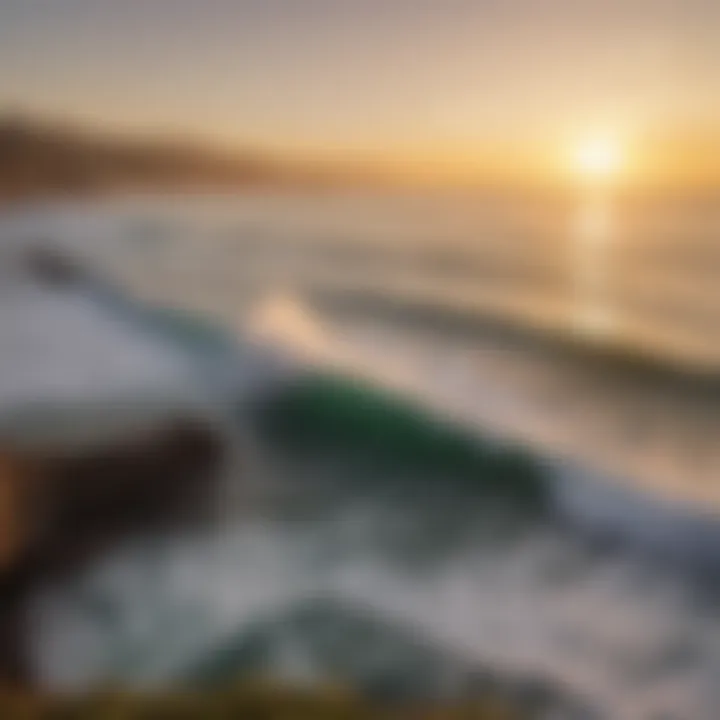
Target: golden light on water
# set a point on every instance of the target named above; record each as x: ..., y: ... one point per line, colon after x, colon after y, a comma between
x: 598, y: 160
x: 598, y: 157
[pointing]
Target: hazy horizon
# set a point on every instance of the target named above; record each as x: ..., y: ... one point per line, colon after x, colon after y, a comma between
x: 440, y: 88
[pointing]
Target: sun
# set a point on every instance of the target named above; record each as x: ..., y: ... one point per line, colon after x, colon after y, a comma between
x: 598, y: 157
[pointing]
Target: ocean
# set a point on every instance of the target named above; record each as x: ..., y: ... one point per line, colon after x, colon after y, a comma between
x: 581, y: 329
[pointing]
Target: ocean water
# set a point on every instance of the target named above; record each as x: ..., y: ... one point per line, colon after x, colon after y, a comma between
x: 583, y: 329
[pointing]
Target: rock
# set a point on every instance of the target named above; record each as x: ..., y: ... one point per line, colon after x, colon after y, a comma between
x: 90, y: 497
x: 58, y: 512
x: 51, y: 267
x: 17, y: 484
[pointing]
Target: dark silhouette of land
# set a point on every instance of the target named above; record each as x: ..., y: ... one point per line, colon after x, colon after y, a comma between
x: 43, y: 158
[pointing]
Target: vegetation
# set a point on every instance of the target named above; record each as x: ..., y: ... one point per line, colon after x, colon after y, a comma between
x: 256, y: 701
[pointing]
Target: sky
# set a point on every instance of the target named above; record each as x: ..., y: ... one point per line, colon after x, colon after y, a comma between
x: 469, y: 85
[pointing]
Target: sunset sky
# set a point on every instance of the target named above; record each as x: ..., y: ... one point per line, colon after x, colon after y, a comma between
x: 466, y: 86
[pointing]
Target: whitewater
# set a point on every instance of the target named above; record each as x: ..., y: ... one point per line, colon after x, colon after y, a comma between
x: 449, y: 301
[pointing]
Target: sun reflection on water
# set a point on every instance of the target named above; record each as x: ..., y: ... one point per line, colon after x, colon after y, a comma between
x: 591, y: 236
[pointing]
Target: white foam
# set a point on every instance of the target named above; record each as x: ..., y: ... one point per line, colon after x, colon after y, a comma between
x: 77, y: 370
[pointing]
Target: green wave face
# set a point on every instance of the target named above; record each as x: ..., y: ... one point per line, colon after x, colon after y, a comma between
x: 341, y: 415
